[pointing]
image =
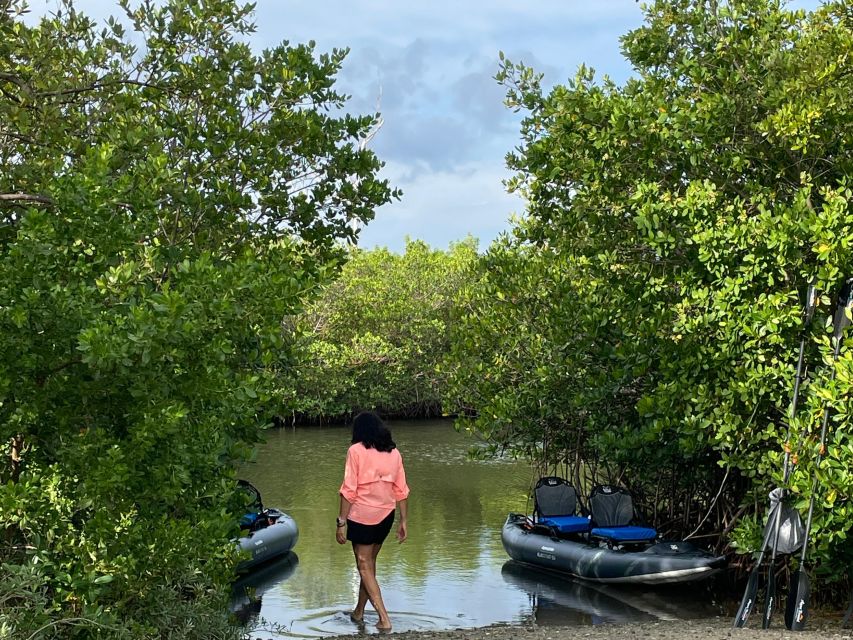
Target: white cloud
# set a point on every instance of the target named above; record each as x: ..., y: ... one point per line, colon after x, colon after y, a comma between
x: 441, y: 207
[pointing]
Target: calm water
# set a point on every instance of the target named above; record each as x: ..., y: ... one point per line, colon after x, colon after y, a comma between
x: 452, y: 571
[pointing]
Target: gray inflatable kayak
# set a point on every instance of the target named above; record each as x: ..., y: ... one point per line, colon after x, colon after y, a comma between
x: 274, y: 535
x: 660, y: 563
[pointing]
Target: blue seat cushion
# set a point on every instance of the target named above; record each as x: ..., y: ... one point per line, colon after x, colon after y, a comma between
x: 567, y: 524
x: 625, y: 534
x: 248, y: 520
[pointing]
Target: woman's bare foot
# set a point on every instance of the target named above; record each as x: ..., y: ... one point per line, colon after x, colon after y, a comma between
x: 357, y: 616
x: 384, y: 626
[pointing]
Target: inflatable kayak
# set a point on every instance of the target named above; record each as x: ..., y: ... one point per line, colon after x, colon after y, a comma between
x: 590, y: 559
x: 276, y: 536
x: 267, y: 533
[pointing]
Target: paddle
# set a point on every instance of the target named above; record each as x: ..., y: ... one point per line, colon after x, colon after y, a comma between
x: 848, y: 613
x: 797, y: 606
x: 770, y: 595
x: 747, y: 603
x: 750, y: 594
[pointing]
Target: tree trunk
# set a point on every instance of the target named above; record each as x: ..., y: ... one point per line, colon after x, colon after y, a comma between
x: 16, y: 457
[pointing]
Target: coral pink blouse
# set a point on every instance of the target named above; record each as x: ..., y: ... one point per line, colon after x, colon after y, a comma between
x: 373, y: 483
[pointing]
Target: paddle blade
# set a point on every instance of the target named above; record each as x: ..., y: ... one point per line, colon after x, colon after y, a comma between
x: 747, y: 604
x: 811, y: 303
x: 769, y: 598
x: 845, y: 302
x: 848, y: 613
x: 797, y: 606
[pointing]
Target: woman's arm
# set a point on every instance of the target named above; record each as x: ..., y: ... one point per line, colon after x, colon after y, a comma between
x: 349, y: 487
x: 401, y: 495
x: 402, y: 529
x: 343, y: 512
x: 348, y: 493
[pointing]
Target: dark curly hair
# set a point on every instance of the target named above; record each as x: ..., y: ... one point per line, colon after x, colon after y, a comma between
x: 369, y: 430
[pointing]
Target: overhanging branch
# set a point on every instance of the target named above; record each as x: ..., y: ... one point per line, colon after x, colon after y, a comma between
x: 25, y: 197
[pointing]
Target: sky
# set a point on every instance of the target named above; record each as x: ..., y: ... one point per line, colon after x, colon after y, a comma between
x: 429, y: 67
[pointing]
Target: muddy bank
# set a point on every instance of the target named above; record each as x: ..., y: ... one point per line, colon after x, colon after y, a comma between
x: 708, y: 629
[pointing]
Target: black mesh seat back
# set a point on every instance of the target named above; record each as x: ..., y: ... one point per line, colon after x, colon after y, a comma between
x: 253, y: 496
x: 611, y: 506
x: 554, y: 496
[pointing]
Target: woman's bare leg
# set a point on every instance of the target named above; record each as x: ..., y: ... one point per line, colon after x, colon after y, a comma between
x: 365, y: 560
x: 357, y: 614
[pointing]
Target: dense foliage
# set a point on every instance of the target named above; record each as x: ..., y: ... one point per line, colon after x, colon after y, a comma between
x: 167, y: 197
x: 643, y: 318
x: 376, y: 336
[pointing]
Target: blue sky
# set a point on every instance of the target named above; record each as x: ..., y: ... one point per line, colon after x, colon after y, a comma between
x: 430, y: 67
x: 446, y: 130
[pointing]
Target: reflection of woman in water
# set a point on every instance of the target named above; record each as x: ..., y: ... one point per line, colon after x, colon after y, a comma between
x: 374, y: 483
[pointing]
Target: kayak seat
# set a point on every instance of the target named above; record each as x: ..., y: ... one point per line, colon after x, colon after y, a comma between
x: 566, y: 524
x: 556, y: 506
x: 614, y: 517
x: 247, y: 521
x: 252, y: 499
x: 629, y: 534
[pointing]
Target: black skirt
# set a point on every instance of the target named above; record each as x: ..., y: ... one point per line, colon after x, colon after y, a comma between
x: 358, y: 533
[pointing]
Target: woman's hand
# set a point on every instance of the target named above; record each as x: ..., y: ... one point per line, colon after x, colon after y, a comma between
x: 402, y: 533
x: 341, y: 535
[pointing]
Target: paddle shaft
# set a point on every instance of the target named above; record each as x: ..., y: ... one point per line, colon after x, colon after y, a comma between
x: 817, y: 464
x: 840, y: 321
x: 770, y: 594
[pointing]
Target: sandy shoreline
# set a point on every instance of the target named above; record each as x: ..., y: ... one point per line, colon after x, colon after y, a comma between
x: 711, y: 629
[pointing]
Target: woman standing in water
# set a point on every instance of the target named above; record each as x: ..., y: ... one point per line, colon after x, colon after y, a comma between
x: 374, y: 483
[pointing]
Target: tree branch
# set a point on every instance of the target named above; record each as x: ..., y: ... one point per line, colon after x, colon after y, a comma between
x: 14, y: 79
x: 25, y: 197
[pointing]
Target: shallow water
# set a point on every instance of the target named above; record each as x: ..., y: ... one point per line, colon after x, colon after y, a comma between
x: 452, y: 572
